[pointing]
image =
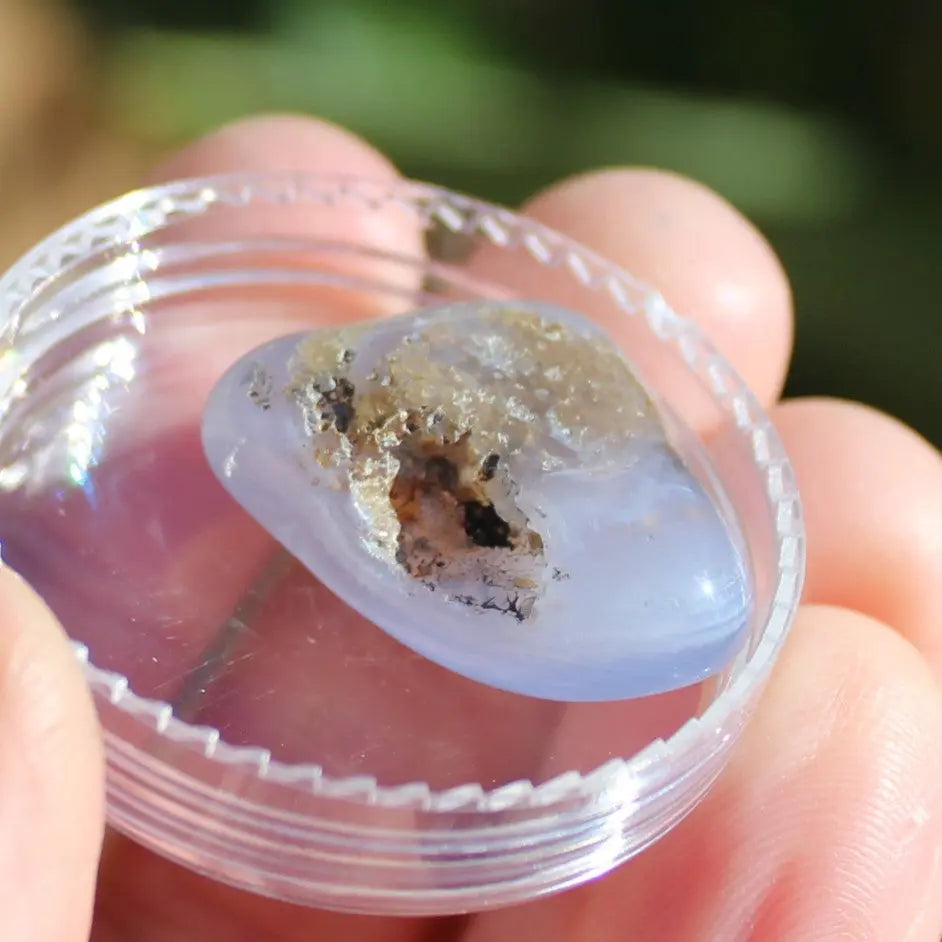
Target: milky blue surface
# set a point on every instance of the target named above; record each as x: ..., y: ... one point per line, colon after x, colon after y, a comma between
x: 652, y: 592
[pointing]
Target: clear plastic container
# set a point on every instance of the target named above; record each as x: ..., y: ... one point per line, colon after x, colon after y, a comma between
x: 257, y: 730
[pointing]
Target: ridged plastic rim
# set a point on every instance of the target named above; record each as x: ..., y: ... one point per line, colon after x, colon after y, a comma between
x: 146, y: 211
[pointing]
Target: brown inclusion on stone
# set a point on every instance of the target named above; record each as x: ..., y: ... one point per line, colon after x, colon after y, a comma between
x: 425, y: 437
x: 451, y: 532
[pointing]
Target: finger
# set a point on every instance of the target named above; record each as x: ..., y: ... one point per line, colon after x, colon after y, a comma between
x: 51, y: 776
x: 872, y: 493
x: 711, y: 264
x: 277, y: 142
x: 148, y: 899
x: 827, y: 823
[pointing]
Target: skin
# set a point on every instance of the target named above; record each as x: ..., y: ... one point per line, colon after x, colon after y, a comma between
x: 827, y: 824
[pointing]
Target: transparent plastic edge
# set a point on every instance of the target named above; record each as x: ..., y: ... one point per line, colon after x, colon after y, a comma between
x: 145, y: 211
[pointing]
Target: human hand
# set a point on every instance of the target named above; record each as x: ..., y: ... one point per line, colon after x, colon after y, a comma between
x: 827, y: 822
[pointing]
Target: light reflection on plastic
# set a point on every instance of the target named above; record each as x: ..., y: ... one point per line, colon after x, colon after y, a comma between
x: 86, y: 433
x: 130, y: 291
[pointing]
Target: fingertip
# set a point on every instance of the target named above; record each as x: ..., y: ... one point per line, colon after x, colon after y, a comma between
x: 52, y: 786
x: 872, y: 494
x: 844, y: 744
x: 319, y: 213
x: 288, y: 142
x: 708, y: 260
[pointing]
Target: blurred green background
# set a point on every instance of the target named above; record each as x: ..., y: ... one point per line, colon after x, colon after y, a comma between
x: 821, y: 121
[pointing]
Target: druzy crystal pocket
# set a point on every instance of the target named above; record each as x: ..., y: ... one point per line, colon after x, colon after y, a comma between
x: 490, y: 484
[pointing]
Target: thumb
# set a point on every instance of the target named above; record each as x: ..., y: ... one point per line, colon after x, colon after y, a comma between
x: 51, y: 776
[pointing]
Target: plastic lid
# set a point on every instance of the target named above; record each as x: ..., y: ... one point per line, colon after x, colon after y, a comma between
x: 257, y: 729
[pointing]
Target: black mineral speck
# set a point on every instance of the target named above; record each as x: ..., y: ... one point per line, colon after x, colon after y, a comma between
x: 489, y: 466
x: 485, y: 526
x: 337, y: 403
x: 343, y: 416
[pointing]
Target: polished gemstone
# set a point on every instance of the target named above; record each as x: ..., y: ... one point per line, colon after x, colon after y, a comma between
x: 490, y: 484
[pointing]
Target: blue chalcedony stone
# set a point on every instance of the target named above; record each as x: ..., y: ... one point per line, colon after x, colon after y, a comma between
x: 491, y: 485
